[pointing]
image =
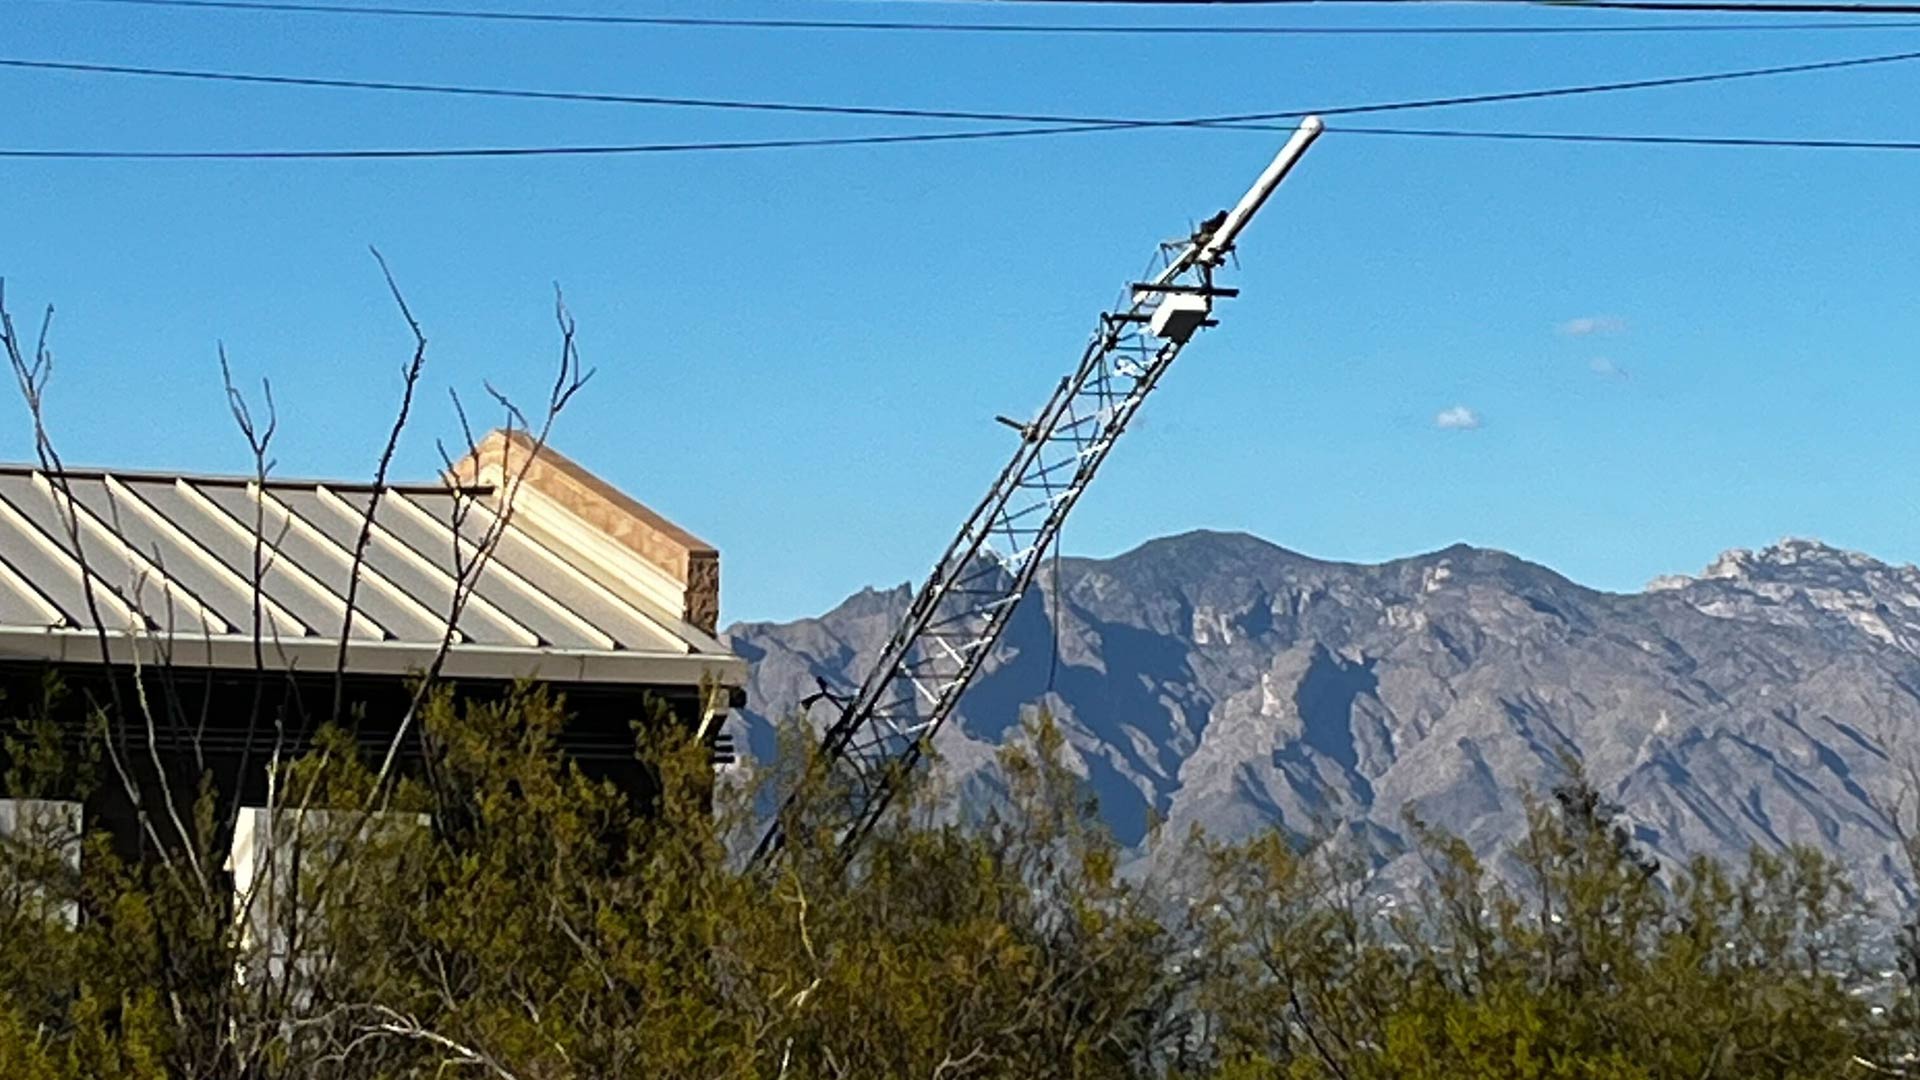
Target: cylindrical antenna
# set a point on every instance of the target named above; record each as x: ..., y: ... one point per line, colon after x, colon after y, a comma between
x: 1222, y: 240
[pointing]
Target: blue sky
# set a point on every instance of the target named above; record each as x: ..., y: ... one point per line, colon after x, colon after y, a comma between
x: 1614, y: 360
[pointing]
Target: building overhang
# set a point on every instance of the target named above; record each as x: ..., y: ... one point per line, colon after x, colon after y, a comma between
x: 312, y: 656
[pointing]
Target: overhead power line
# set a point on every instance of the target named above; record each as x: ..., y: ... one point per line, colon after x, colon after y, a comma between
x: 1073, y: 123
x: 1762, y: 7
x: 1736, y: 141
x: 596, y: 150
x: 1736, y: 7
x: 501, y: 15
x: 1255, y: 121
x: 1601, y: 88
x: 1167, y: 3
x: 1863, y: 6
x: 524, y: 94
x: 642, y: 149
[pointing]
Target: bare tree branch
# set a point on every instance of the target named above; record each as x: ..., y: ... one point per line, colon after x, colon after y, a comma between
x: 569, y: 378
x: 409, y: 379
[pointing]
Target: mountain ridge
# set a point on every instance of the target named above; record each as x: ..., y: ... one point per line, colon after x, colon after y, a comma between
x: 1217, y: 679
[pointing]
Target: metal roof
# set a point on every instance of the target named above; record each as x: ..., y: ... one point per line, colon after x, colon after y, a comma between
x: 172, y: 563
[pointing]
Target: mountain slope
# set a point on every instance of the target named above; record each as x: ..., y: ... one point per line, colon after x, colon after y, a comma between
x: 1218, y: 680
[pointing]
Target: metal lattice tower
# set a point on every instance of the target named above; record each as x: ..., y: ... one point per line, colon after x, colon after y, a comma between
x: 959, y: 613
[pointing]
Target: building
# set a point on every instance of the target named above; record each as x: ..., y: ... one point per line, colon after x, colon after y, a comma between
x: 131, y: 586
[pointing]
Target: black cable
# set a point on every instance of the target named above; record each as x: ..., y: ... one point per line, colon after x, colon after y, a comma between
x: 1728, y: 6
x: 1637, y: 140
x: 1242, y: 121
x: 1177, y: 3
x: 1072, y: 124
x: 1865, y: 7
x: 953, y: 136
x: 542, y: 151
x: 299, y: 7
x: 539, y: 95
x: 1589, y: 88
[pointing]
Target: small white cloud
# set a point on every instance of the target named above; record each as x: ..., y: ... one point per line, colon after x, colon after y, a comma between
x: 1458, y: 418
x: 1591, y: 325
x: 1606, y: 368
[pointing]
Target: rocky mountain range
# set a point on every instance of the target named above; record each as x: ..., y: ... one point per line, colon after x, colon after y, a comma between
x: 1219, y: 680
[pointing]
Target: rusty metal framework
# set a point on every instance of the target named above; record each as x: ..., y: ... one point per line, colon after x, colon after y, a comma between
x: 957, y: 616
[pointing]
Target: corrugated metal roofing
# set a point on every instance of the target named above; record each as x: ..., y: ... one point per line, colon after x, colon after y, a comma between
x: 172, y: 558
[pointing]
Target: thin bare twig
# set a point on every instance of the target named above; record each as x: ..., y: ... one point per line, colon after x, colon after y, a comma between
x: 32, y: 377
x: 569, y: 379
x: 409, y: 379
x: 259, y: 443
x: 396, y: 1024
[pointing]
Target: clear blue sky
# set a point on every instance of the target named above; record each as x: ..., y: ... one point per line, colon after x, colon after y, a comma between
x: 800, y: 352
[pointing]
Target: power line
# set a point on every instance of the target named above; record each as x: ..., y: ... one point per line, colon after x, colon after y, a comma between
x: 1045, y: 125
x: 1176, y: 3
x: 1074, y: 123
x: 602, y: 150
x: 1734, y: 6
x: 1864, y: 7
x: 500, y: 15
x: 321, y: 82
x: 1638, y: 140
x: 921, y: 137
x: 1594, y: 88
x: 638, y: 149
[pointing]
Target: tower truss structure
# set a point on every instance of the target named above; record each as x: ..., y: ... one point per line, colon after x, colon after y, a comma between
x: 882, y: 730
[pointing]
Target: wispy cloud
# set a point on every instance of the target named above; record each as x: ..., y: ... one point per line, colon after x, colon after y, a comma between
x: 1591, y: 325
x: 1606, y: 368
x: 1458, y: 418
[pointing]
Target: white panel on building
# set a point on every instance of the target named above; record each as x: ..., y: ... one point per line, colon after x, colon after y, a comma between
x: 277, y: 860
x: 36, y: 829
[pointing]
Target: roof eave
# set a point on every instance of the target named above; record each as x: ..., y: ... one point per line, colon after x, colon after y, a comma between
x: 320, y: 655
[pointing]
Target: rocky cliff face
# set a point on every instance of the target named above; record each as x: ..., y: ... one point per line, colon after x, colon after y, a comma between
x: 1218, y: 680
